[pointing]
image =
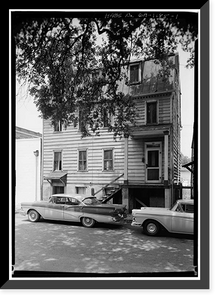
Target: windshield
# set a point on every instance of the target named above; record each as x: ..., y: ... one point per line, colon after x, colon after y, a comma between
x: 172, y: 207
x: 183, y: 207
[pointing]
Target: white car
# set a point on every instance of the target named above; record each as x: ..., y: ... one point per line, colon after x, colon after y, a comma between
x: 178, y: 219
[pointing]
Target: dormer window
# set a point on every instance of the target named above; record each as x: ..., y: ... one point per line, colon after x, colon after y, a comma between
x: 135, y: 73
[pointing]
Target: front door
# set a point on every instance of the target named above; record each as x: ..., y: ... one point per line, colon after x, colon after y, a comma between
x: 153, y: 162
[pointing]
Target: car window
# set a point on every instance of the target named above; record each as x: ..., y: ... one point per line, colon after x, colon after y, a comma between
x: 60, y: 200
x: 188, y: 208
x: 90, y: 201
x: 72, y: 201
x: 185, y: 207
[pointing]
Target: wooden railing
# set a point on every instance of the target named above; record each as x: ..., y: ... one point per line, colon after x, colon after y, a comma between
x: 108, y: 184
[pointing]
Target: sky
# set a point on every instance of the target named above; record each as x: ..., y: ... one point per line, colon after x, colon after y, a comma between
x: 27, y: 115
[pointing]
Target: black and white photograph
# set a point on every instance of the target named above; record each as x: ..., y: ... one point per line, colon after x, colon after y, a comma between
x: 106, y: 145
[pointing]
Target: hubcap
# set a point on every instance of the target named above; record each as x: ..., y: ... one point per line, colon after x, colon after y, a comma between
x: 33, y: 216
x: 151, y: 228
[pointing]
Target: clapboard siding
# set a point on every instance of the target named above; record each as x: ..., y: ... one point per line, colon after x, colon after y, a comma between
x: 69, y: 141
x: 164, y: 116
x: 176, y: 116
x: 164, y: 111
x: 136, y: 167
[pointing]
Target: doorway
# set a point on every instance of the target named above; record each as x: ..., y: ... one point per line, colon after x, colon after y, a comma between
x: 153, y: 161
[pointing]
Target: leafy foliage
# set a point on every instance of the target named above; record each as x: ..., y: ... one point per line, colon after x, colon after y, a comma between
x: 73, y: 64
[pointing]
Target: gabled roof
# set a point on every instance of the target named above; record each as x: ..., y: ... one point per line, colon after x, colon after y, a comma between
x: 22, y: 133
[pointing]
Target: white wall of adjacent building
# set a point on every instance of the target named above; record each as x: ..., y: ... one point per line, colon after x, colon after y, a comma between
x: 28, y: 174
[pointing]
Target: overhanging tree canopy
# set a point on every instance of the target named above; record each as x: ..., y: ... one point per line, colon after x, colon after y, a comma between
x: 73, y: 61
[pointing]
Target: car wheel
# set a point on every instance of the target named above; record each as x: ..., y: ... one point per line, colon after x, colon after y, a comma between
x: 33, y: 216
x: 88, y: 222
x: 151, y: 228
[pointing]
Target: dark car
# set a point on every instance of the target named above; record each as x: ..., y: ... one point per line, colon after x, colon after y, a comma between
x: 75, y: 208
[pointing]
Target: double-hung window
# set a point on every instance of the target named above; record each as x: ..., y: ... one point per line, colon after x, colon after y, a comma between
x: 82, y: 163
x: 57, y: 165
x: 108, y: 160
x: 58, y: 126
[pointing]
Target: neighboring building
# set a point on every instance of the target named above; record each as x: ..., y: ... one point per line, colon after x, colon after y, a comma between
x: 28, y: 166
x: 145, y: 166
x: 191, y: 165
x: 185, y: 179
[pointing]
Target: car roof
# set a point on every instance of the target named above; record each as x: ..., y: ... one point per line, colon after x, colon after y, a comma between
x: 189, y: 201
x: 68, y: 195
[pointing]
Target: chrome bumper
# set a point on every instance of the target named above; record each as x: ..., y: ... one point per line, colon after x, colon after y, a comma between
x: 133, y: 223
x: 21, y: 212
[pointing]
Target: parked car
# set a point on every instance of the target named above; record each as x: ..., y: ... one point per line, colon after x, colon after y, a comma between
x: 75, y: 208
x: 178, y: 219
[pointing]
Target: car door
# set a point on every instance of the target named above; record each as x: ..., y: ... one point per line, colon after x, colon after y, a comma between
x: 72, y: 210
x: 54, y: 209
x: 183, y: 219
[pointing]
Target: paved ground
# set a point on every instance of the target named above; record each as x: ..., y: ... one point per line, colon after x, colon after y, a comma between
x: 70, y: 247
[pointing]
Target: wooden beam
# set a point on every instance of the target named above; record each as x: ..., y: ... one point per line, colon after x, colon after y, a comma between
x: 139, y: 201
x: 109, y: 184
x: 126, y: 160
x: 166, y: 156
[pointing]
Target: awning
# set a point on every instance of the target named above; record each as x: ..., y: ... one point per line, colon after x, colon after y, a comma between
x: 149, y: 131
x: 55, y: 176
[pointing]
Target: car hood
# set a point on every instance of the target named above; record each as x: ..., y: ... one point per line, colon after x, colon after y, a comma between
x: 151, y: 210
x: 154, y: 208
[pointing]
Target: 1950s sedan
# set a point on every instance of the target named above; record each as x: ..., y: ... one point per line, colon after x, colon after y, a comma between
x: 178, y: 219
x: 74, y: 208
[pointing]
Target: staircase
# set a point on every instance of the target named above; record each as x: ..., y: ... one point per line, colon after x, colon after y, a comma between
x: 110, y: 190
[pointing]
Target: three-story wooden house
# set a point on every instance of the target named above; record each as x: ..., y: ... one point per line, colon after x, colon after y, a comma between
x: 140, y: 170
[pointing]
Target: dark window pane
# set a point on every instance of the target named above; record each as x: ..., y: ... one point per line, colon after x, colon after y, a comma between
x: 108, y: 165
x: 151, y: 113
x: 153, y: 174
x: 82, y: 155
x: 82, y: 161
x: 58, y: 189
x: 134, y: 72
x: 82, y: 165
x: 108, y: 160
x: 58, y: 126
x: 108, y: 154
x: 57, y: 161
x: 153, y: 158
